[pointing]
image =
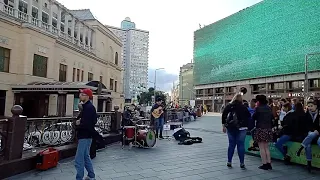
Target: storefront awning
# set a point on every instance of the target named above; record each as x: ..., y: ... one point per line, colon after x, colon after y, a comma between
x: 59, y: 87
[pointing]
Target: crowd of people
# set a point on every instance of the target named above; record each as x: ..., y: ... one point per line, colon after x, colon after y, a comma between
x: 271, y: 121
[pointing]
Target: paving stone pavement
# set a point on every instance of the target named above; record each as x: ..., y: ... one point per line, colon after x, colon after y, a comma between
x: 168, y: 160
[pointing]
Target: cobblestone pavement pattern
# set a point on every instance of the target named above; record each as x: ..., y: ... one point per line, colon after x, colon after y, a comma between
x: 168, y: 160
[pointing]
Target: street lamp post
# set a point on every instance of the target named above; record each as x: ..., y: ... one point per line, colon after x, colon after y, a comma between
x: 306, y: 81
x: 155, y: 83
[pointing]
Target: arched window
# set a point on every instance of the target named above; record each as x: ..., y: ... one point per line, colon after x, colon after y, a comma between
x: 111, y: 54
x: 116, y: 58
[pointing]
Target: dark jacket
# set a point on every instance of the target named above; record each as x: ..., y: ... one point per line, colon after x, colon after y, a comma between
x: 263, y: 117
x: 242, y: 112
x: 291, y: 124
x: 312, y: 125
x: 87, y: 122
x: 126, y: 118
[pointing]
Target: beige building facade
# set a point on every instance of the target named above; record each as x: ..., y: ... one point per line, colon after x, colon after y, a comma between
x: 45, y: 61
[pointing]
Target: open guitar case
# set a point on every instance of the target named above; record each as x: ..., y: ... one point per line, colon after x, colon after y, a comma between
x: 183, y: 136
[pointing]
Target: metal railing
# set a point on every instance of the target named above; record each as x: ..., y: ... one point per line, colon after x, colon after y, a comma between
x: 49, y: 131
x: 57, y: 131
x: 104, y: 122
x: 3, y: 135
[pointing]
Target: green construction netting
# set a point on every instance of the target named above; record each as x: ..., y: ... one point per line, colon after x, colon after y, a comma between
x: 268, y: 39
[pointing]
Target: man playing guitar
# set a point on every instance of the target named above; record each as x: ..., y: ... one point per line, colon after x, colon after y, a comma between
x: 157, y: 114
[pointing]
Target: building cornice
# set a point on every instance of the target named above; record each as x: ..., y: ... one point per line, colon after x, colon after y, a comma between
x: 273, y: 79
x: 108, y: 34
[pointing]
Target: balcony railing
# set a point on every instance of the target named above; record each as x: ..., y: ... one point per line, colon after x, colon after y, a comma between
x: 54, y: 30
x: 7, y: 9
x: 24, y: 17
x: 45, y: 26
x: 34, y: 21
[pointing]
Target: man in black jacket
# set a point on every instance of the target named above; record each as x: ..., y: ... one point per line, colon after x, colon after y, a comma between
x: 85, y: 133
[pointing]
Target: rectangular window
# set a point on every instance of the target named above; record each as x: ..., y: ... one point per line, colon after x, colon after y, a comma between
x: 74, y: 74
x: 45, y: 17
x: 34, y: 12
x: 78, y: 74
x: 82, y: 74
x: 90, y: 76
x: 115, y: 86
x: 219, y: 90
x: 4, y: 59
x: 63, y: 73
x: 314, y: 83
x: 297, y: 84
x: 111, y: 84
x: 40, y: 65
x: 23, y: 7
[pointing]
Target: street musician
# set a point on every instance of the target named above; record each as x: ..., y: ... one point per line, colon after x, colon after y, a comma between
x: 157, y: 114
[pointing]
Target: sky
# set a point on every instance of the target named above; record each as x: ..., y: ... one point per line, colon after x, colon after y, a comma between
x: 171, y: 24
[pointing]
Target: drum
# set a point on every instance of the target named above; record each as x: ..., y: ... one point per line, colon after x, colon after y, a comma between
x: 129, y: 132
x: 147, y: 138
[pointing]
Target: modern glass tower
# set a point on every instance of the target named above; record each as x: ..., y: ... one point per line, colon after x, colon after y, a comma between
x: 135, y: 53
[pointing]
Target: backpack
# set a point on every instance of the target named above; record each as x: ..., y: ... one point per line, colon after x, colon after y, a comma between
x: 232, y: 121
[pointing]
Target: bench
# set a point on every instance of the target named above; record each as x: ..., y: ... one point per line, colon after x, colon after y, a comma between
x: 292, y: 149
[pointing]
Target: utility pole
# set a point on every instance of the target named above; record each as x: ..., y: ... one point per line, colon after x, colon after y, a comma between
x: 155, y: 83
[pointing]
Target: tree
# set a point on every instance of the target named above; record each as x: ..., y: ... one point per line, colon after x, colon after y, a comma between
x: 146, y: 97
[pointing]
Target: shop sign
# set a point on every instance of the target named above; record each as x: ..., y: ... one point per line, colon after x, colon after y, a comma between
x: 295, y: 94
x: 4, y: 40
x: 274, y: 96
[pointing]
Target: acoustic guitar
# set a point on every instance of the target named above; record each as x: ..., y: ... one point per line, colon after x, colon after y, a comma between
x: 157, y: 112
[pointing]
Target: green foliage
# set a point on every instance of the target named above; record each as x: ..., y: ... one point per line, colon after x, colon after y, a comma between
x: 267, y: 39
x: 146, y: 97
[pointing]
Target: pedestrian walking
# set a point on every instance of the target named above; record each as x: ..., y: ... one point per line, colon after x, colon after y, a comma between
x: 85, y: 133
x: 235, y: 123
x: 263, y: 133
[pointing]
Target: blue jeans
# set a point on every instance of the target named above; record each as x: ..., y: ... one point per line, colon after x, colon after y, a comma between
x: 236, y: 138
x: 281, y: 141
x: 306, y: 143
x: 83, y: 160
x: 159, y: 125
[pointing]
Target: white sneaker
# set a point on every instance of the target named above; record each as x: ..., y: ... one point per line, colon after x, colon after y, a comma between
x: 88, y: 178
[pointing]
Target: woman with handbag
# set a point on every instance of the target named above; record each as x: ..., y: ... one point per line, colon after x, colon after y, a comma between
x: 235, y: 123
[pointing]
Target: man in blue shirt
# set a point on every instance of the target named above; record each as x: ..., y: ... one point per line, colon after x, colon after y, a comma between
x: 159, y: 121
x: 85, y: 133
